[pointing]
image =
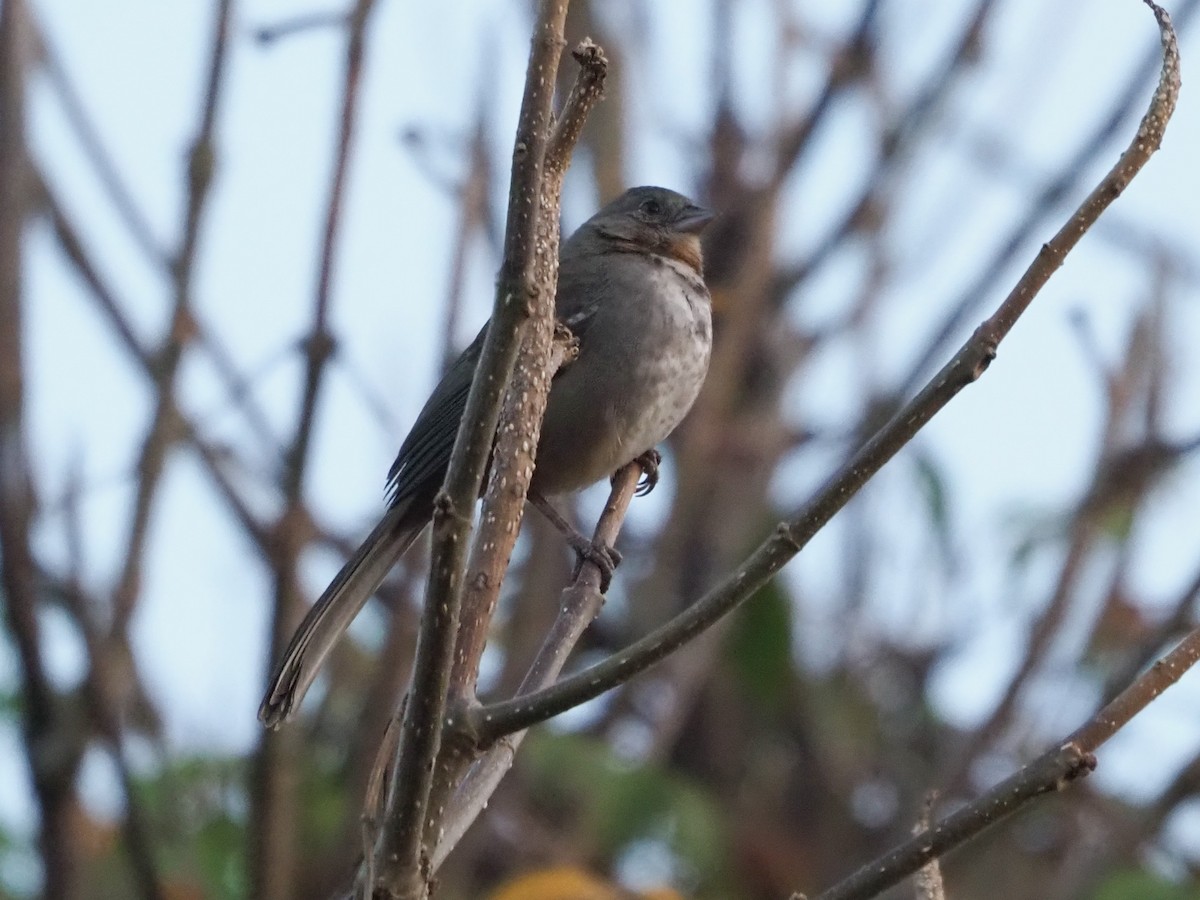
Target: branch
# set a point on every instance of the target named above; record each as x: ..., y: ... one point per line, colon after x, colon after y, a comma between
x: 402, y: 870
x: 126, y: 207
x: 514, y: 456
x: 1054, y: 770
x: 792, y: 535
x: 273, y: 789
x: 80, y: 120
x: 53, y: 744
x: 1048, y: 200
x: 579, y: 606
x: 521, y: 420
x: 112, y: 690
x: 897, y: 147
x: 163, y: 431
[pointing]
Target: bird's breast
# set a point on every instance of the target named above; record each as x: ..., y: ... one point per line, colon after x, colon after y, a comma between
x: 641, y: 364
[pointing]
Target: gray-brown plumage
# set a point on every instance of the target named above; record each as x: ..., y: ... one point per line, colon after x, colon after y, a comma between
x: 630, y: 288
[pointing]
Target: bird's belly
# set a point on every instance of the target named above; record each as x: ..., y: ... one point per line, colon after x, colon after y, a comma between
x: 606, y: 413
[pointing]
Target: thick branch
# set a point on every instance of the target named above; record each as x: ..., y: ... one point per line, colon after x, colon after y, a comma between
x: 514, y: 456
x: 521, y: 420
x: 402, y: 870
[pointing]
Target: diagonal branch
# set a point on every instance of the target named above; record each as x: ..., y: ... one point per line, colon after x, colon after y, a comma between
x: 163, y: 431
x: 1051, y: 196
x: 578, y: 607
x: 496, y: 720
x: 1052, y: 771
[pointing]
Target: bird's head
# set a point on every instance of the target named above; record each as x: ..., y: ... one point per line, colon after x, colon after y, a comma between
x: 656, y: 220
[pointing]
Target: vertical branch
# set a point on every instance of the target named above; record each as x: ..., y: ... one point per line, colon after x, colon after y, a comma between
x: 51, y: 750
x: 274, y: 776
x: 106, y: 680
x: 163, y: 431
x: 521, y: 418
x: 517, y: 438
x: 578, y: 607
x: 401, y: 858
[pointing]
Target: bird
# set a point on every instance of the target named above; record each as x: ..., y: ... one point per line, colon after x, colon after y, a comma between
x: 631, y: 291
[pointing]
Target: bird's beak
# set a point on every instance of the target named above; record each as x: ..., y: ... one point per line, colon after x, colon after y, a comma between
x: 694, y: 219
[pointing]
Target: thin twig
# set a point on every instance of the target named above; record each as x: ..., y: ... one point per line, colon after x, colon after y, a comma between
x: 580, y: 604
x: 162, y: 432
x: 71, y: 243
x: 898, y: 143
x: 472, y: 219
x: 844, y: 71
x: 1048, y: 200
x: 128, y: 211
x: 78, y: 117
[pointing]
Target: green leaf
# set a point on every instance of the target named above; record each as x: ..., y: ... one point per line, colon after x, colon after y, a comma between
x: 1138, y: 884
x: 759, y: 646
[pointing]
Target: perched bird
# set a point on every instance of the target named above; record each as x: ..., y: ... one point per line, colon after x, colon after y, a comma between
x: 631, y: 290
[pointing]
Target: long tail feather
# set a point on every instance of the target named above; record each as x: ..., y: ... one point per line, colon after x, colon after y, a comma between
x: 334, y: 610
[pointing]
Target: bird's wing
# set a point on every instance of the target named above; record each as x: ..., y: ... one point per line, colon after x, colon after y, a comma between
x: 581, y: 285
x: 425, y: 453
x: 580, y: 319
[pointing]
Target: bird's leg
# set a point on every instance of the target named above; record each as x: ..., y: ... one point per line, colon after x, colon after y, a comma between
x: 605, y: 558
x: 649, y: 461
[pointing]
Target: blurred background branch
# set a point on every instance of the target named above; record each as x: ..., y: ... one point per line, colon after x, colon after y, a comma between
x: 188, y: 450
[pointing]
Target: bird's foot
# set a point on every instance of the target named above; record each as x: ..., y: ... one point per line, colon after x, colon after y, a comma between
x: 649, y: 461
x: 602, y: 556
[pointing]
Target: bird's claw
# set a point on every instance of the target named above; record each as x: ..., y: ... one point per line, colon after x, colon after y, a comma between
x: 602, y: 556
x: 649, y: 461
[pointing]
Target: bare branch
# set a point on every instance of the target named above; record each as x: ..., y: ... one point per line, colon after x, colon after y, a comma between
x: 402, y: 870
x: 274, y: 772
x: 521, y: 419
x: 792, y: 535
x: 1050, y: 197
x: 579, y: 606
x: 1054, y: 770
x: 1051, y: 772
x: 53, y: 744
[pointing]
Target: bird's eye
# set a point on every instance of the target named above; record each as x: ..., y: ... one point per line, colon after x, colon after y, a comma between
x: 651, y: 207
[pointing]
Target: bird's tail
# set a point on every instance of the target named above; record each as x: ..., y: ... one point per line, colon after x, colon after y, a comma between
x: 335, y: 609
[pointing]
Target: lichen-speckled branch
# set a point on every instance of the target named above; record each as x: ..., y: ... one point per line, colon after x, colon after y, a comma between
x: 401, y: 859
